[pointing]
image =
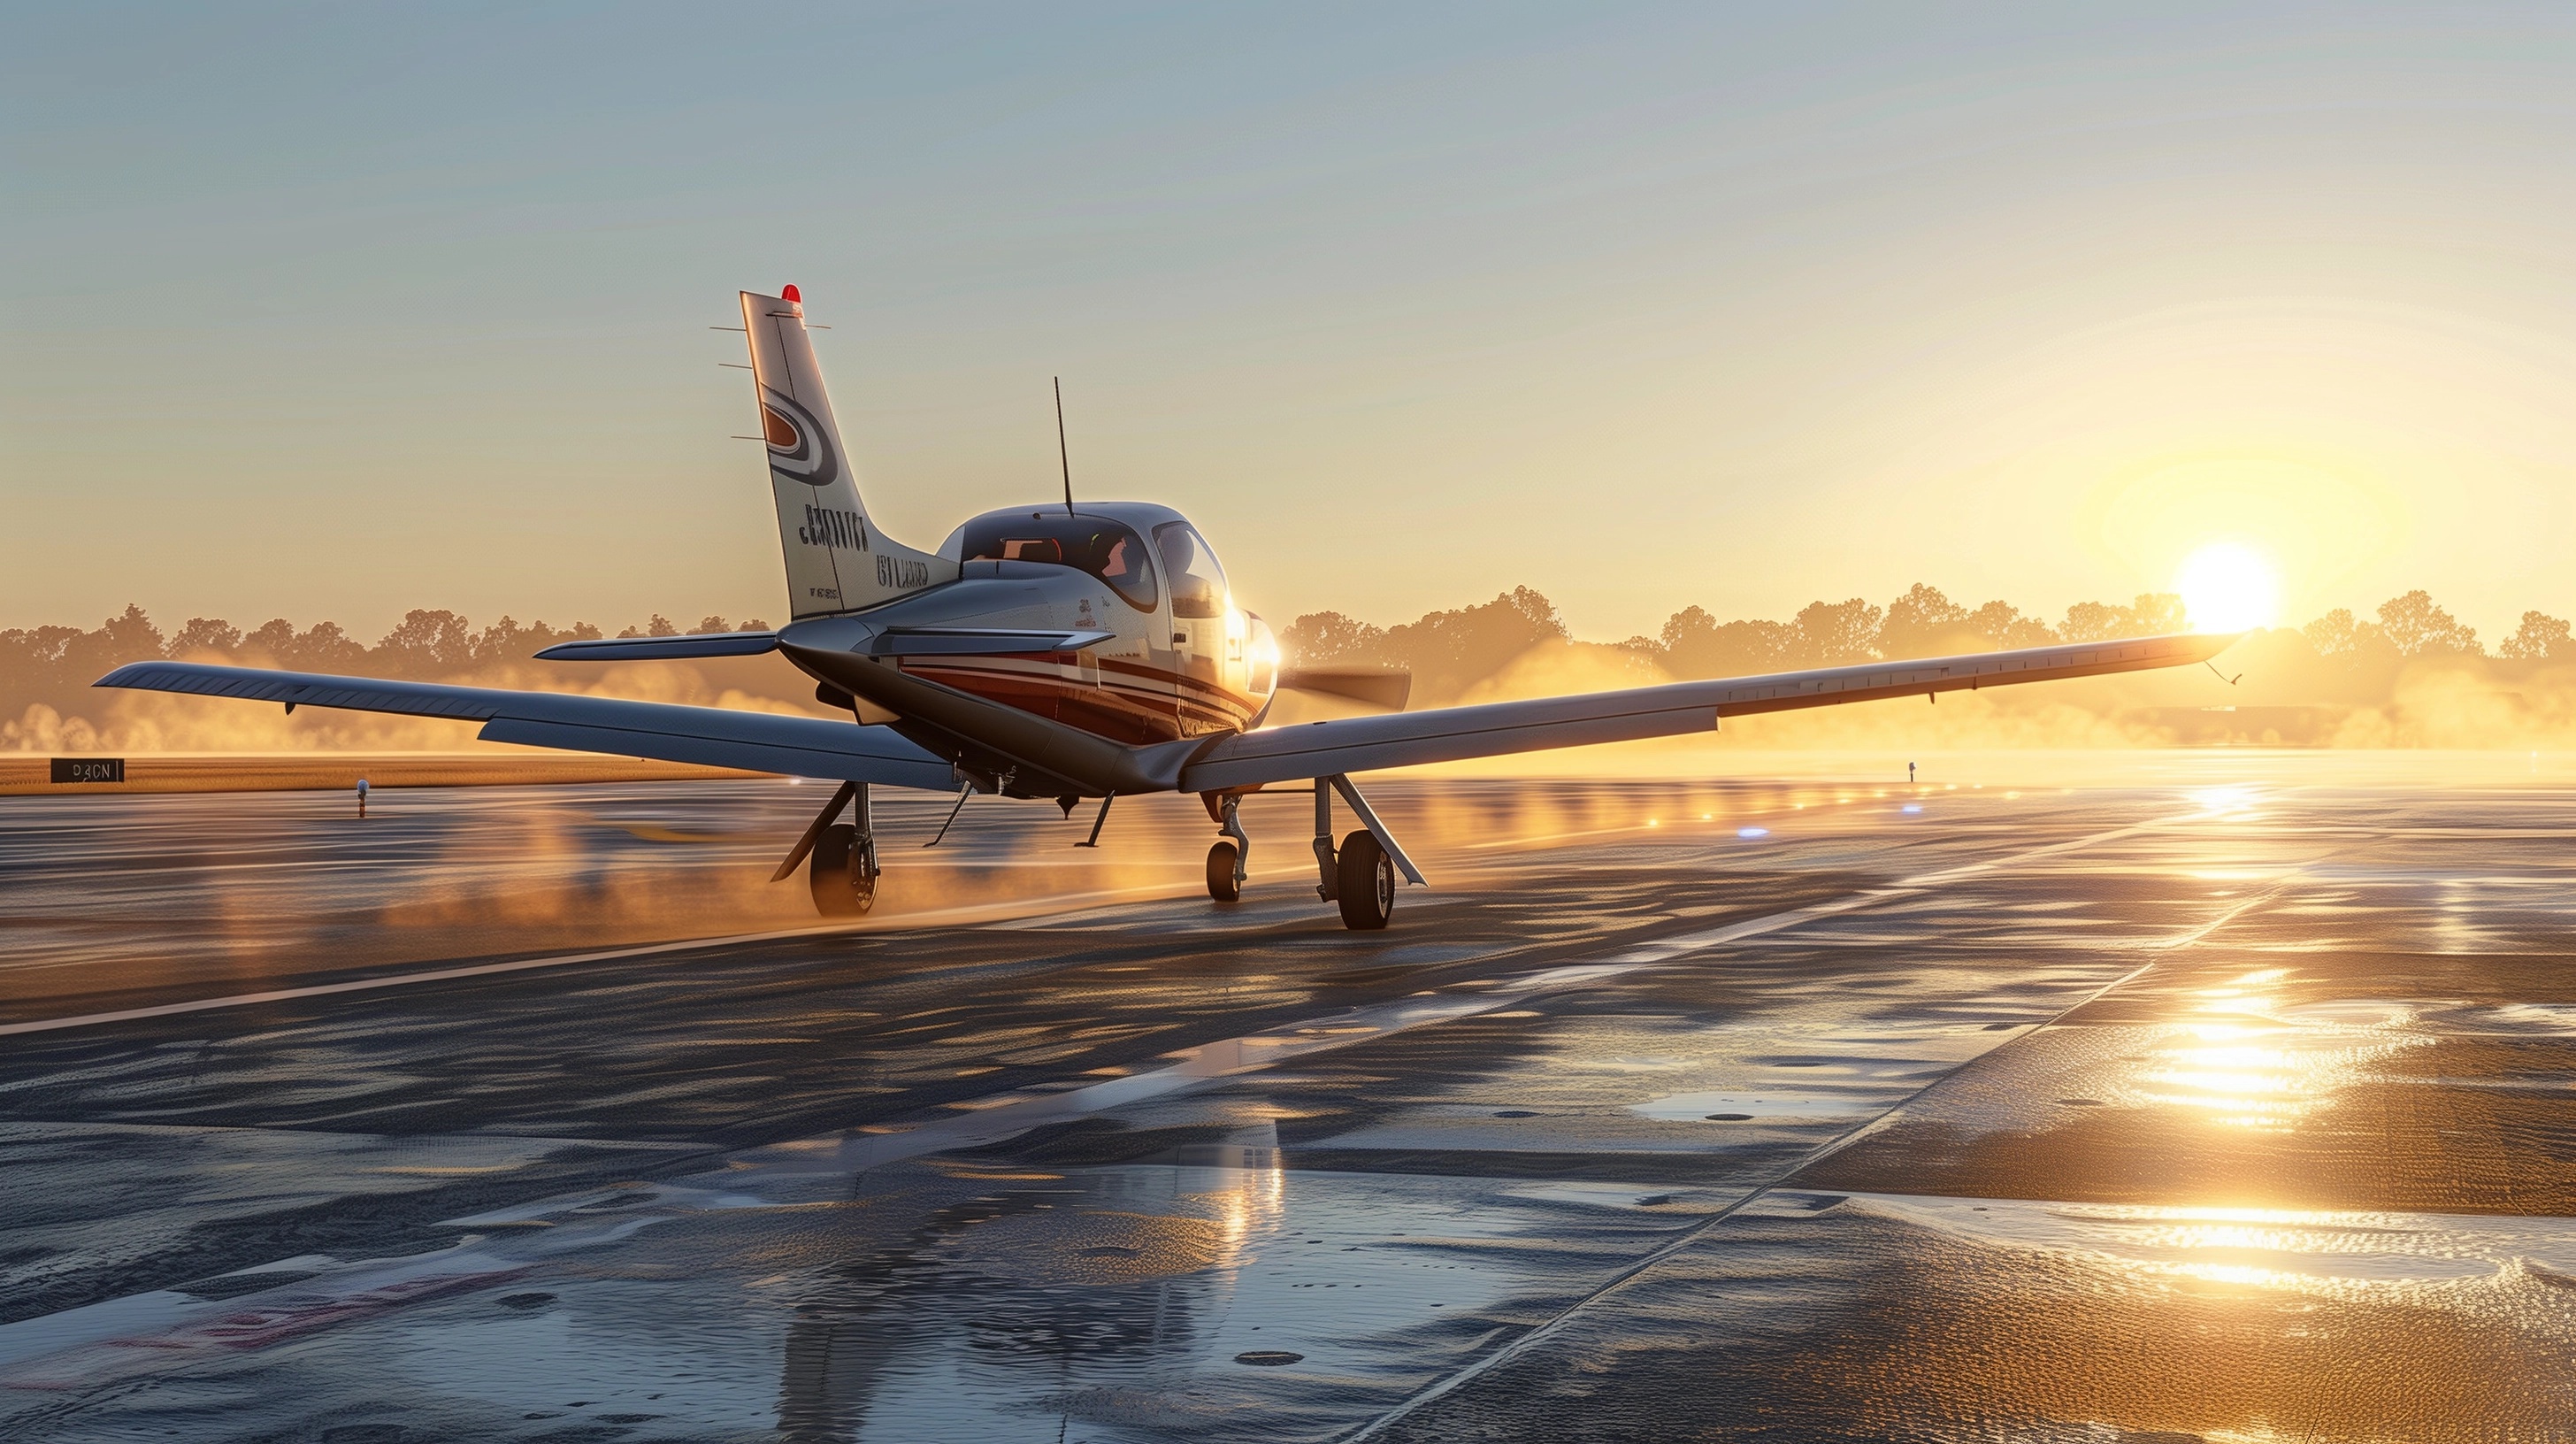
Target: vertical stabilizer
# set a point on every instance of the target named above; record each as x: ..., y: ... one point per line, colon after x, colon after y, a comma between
x: 837, y: 561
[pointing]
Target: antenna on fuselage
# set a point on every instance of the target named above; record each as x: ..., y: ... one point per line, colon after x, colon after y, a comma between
x: 1061, y: 455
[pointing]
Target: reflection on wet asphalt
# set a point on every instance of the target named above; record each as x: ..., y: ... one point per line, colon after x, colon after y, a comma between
x: 2228, y: 1098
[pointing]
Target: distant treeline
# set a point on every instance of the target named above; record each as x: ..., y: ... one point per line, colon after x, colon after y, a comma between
x: 1449, y: 652
x: 54, y: 666
x: 2336, y: 658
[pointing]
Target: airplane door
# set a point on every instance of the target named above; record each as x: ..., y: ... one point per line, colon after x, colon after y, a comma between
x: 1196, y: 584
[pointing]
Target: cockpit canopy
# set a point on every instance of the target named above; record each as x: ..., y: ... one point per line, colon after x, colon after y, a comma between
x: 1109, y: 549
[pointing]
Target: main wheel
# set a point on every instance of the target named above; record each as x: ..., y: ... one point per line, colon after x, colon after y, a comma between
x: 838, y: 875
x: 1365, y: 879
x: 1221, y: 883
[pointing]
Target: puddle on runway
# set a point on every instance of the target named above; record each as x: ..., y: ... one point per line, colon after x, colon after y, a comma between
x: 945, y: 1299
x: 152, y: 1200
x: 1843, y: 1316
x: 1293, y: 1251
x: 2234, y: 1079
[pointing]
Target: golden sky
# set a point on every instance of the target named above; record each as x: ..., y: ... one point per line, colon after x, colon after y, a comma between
x: 328, y: 314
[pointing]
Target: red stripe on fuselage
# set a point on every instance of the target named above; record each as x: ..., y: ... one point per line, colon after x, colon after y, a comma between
x: 1132, y: 702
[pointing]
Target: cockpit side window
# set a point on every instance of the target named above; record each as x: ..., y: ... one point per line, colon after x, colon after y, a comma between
x: 1198, y: 583
x: 1104, y: 548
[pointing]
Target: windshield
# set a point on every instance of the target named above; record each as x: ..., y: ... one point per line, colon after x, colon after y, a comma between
x: 1097, y: 545
x: 1198, y: 583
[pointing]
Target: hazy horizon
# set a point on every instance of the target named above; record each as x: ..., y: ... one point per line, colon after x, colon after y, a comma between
x: 324, y: 313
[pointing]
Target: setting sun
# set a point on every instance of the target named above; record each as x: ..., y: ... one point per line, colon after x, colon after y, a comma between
x: 2228, y: 587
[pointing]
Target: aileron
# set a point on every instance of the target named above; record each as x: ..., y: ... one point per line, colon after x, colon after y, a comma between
x: 1501, y: 728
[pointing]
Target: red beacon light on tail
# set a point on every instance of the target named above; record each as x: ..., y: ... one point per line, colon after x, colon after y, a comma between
x: 789, y: 294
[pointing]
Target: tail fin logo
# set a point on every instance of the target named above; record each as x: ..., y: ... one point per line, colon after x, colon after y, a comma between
x: 799, y: 448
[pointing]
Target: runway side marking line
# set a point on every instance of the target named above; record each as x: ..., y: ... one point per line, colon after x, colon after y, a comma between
x: 1516, y: 1347
x: 934, y: 918
x: 900, y: 923
x: 564, y: 960
x: 914, y: 920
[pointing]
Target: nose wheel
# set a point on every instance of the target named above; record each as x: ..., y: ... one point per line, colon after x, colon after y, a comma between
x: 1224, y: 862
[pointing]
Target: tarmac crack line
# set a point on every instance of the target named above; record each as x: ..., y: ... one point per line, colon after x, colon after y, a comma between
x: 1514, y: 1348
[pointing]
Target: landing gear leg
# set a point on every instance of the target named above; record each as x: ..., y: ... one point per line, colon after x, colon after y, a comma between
x: 1099, y: 822
x: 964, y: 790
x: 1326, y: 866
x: 863, y: 855
x: 1361, y: 878
x: 1225, y: 871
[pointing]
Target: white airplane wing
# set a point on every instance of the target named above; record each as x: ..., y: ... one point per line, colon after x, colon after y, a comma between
x: 709, y: 736
x: 1450, y: 734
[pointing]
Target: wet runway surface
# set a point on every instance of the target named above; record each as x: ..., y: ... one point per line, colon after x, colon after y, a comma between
x: 2226, y: 1098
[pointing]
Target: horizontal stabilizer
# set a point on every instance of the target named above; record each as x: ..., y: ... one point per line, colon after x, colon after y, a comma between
x: 1382, y: 687
x: 979, y: 641
x: 710, y: 736
x: 662, y: 649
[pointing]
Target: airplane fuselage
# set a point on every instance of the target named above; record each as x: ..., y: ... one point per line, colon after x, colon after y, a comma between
x: 1179, y: 663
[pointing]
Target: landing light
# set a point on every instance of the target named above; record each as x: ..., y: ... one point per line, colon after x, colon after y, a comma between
x: 1911, y: 807
x: 1753, y: 832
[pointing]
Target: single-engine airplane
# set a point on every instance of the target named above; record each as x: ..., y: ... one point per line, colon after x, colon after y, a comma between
x: 1050, y: 651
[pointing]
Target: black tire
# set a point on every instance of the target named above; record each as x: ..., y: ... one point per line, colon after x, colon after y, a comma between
x: 837, y: 875
x: 1365, y: 878
x: 1220, y: 870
